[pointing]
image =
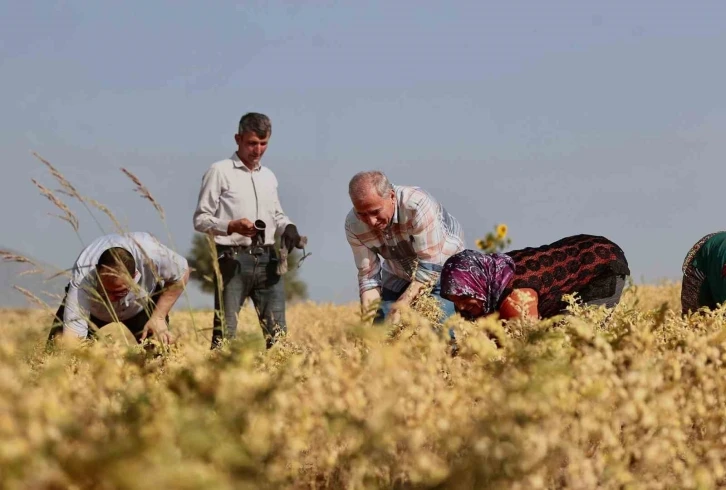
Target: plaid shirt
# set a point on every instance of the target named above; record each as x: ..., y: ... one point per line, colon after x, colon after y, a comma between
x: 421, y: 231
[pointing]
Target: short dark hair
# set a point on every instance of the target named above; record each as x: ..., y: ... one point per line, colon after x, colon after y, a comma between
x: 254, y: 122
x: 116, y: 259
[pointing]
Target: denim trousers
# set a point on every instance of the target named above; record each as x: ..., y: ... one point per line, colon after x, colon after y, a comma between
x: 389, y: 297
x: 246, y: 275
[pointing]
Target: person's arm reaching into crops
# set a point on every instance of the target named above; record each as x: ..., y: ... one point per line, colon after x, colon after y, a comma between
x: 368, y: 300
x: 405, y: 299
x: 76, y: 312
x: 173, y: 269
x: 369, y: 272
x: 428, y: 238
x: 164, y: 304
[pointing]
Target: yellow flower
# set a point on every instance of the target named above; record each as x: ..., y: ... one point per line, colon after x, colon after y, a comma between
x: 480, y: 243
x: 501, y: 231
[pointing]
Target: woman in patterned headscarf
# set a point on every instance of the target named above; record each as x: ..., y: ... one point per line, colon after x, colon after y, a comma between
x: 531, y: 282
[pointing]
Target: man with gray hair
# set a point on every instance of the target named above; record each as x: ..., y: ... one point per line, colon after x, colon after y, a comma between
x: 410, y: 230
x: 239, y: 205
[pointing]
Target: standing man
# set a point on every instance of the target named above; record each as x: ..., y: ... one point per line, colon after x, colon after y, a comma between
x: 410, y: 230
x: 239, y: 205
x: 129, y: 278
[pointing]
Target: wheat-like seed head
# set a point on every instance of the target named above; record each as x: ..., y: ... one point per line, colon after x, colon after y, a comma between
x: 107, y: 212
x: 32, y: 297
x: 67, y: 213
x: 12, y: 257
x: 144, y: 191
x: 68, y: 188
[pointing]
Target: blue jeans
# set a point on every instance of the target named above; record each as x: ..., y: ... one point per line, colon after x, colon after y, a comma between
x: 249, y: 276
x: 388, y: 298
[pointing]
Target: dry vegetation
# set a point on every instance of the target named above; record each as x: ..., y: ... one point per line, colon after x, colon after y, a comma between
x: 633, y: 400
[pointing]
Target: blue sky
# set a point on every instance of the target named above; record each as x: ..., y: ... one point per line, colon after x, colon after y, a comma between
x: 557, y: 118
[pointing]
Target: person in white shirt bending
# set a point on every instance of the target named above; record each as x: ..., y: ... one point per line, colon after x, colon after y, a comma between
x: 238, y: 204
x: 129, y: 278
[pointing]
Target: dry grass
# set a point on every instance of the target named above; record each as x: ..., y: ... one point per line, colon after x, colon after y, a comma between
x: 630, y: 401
x: 634, y: 399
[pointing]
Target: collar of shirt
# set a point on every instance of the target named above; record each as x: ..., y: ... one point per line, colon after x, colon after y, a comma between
x: 394, y: 219
x: 237, y: 162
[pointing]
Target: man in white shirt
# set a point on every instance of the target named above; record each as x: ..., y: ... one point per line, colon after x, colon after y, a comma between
x: 130, y: 278
x: 239, y: 205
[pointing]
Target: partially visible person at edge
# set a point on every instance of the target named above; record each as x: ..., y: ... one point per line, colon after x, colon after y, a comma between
x: 235, y: 193
x: 400, y: 237
x: 704, y: 274
x: 531, y: 282
x: 129, y: 278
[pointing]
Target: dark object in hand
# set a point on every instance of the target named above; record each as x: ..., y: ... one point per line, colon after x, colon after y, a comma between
x: 258, y: 241
x: 290, y: 238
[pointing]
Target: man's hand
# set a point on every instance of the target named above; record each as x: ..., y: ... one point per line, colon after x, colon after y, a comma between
x: 291, y: 238
x: 242, y: 226
x: 159, y: 328
x: 369, y: 303
x: 394, y: 315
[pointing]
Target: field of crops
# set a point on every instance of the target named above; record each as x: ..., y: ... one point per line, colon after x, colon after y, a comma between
x: 633, y: 400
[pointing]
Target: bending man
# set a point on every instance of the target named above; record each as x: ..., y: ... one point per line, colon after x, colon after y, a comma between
x: 129, y: 278
x: 410, y: 230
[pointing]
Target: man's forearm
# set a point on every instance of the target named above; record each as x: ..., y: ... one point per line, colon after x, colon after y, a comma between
x: 410, y: 293
x: 75, y: 318
x: 207, y: 223
x: 169, y: 297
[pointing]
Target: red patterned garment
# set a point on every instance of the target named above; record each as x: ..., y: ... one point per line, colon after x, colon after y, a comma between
x: 586, y: 264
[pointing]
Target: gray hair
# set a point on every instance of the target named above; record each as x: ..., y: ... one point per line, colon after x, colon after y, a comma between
x: 363, y: 181
x: 254, y: 122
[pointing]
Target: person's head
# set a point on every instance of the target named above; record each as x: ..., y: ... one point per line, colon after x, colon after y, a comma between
x: 116, y: 268
x: 474, y: 281
x: 252, y: 137
x: 373, y: 198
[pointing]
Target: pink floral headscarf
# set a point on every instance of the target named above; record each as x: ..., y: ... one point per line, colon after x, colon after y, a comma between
x: 474, y: 274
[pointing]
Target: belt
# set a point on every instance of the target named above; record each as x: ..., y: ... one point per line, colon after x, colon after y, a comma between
x: 223, y: 250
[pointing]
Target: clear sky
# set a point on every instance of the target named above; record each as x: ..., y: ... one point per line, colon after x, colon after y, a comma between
x: 557, y: 117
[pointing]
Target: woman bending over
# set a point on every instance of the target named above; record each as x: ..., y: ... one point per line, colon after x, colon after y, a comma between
x: 531, y: 282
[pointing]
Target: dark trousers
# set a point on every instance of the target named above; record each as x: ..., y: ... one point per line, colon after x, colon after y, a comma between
x: 135, y: 324
x: 248, y: 275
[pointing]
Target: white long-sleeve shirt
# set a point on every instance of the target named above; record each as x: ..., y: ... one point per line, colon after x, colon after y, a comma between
x: 232, y: 191
x: 155, y: 264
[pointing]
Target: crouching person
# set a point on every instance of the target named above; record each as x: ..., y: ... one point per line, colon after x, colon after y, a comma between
x: 400, y: 237
x: 131, y: 278
x: 704, y: 274
x: 531, y: 282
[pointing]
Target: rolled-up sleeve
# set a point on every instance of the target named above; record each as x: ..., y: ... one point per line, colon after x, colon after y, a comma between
x: 77, y: 311
x: 429, y: 239
x: 367, y: 262
x: 205, y: 219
